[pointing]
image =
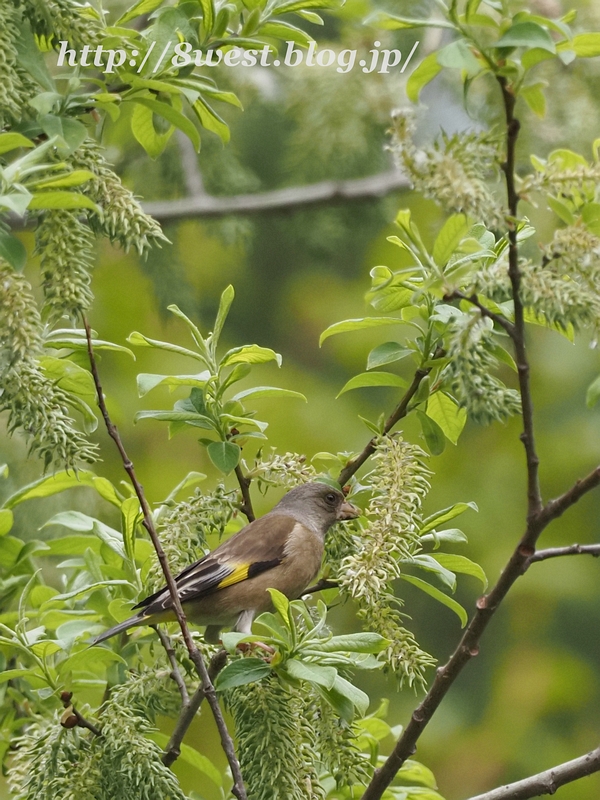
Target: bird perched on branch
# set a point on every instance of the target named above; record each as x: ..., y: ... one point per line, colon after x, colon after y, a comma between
x: 228, y: 587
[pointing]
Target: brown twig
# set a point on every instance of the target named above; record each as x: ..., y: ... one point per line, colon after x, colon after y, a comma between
x: 166, y: 642
x: 320, y: 586
x: 396, y: 415
x: 244, y: 482
x: 569, y: 550
x: 190, y: 709
x: 546, y: 782
x: 534, y: 497
x: 238, y: 788
x: 485, y: 312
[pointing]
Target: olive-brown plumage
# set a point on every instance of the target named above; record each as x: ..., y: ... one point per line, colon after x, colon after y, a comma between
x: 228, y: 587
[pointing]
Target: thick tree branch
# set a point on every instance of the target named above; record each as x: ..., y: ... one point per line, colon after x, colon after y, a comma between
x: 205, y: 205
x: 400, y: 411
x: 190, y: 709
x: 546, y: 782
x: 534, y: 497
x: 485, y: 312
x: 209, y: 690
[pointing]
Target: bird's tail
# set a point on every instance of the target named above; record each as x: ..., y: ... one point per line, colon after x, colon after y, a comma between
x: 137, y: 619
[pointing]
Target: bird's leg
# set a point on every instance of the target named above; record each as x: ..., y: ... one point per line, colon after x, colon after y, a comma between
x: 244, y: 625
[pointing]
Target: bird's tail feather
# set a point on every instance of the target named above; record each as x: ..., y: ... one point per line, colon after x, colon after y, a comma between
x: 137, y: 619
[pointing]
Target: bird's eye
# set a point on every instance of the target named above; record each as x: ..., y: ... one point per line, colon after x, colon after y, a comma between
x: 331, y: 498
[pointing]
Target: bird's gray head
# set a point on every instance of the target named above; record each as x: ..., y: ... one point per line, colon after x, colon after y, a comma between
x: 317, y: 506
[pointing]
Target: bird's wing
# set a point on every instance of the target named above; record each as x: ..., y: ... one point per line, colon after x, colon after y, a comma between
x: 258, y: 547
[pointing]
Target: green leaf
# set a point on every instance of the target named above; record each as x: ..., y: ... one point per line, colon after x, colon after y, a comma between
x: 450, y: 417
x: 352, y: 643
x: 10, y: 141
x: 210, y: 120
x: 147, y: 381
x: 224, y: 455
x: 428, y: 563
x: 421, y: 76
x: 72, y: 545
x: 439, y: 596
x: 75, y: 178
x: 446, y: 514
x: 535, y: 56
x: 593, y: 393
x: 357, y: 325
x: 88, y: 589
x: 387, y: 353
x: 462, y: 565
x: 89, y: 659
x: 198, y: 420
x: 140, y: 340
x: 175, y: 117
x: 241, y: 672
x: 53, y: 484
x: 61, y: 200
x: 366, y: 379
x: 414, y: 772
x: 313, y: 673
x: 208, y: 16
x: 281, y: 603
x: 142, y: 127
x: 390, y: 22
x: 454, y: 229
x: 358, y: 698
x: 6, y: 521
x: 561, y: 209
x: 130, y: 509
x: 10, y: 674
x: 586, y: 45
x: 535, y: 98
x: 69, y: 376
x: 225, y: 302
x: 250, y: 354
x: 453, y: 535
x: 267, y: 391
x: 137, y: 9
x: 12, y: 250
x: 76, y: 521
x: 434, y: 435
x: 527, y: 34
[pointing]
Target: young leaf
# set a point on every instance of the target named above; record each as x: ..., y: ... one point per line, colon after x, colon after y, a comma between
x: 224, y: 455
x: 366, y: 379
x: 267, y: 391
x: 357, y: 325
x: 434, y: 435
x: 446, y: 514
x: 6, y: 521
x: 314, y: 673
x: 224, y: 305
x: 421, y: 76
x: 439, y: 596
x: 147, y: 381
x: 250, y: 354
x: 281, y: 603
x: 365, y: 642
x: 454, y: 229
x: 586, y: 45
x: 450, y: 417
x: 527, y: 34
x: 387, y: 353
x: 463, y: 565
x: 240, y: 672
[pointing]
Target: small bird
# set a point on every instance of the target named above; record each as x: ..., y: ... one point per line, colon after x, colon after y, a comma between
x: 228, y: 587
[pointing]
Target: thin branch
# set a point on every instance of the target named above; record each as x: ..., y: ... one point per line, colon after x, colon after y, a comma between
x: 555, y: 508
x: 166, y: 642
x: 569, y: 550
x: 485, y: 312
x: 534, y: 497
x: 400, y: 411
x: 374, y: 186
x: 538, y: 517
x: 190, y: 709
x: 546, y: 782
x: 244, y: 483
x: 320, y: 586
x: 226, y: 741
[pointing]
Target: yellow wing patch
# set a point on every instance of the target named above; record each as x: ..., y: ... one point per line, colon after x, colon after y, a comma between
x: 240, y: 573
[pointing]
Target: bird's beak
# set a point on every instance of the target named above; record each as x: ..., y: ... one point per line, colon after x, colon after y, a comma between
x: 348, y: 511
